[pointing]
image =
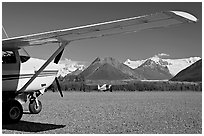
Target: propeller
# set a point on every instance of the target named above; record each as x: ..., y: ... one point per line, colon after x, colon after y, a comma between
x: 58, y: 86
x: 56, y: 60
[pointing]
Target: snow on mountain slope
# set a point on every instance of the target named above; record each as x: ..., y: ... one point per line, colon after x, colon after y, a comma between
x: 68, y: 66
x: 193, y: 73
x: 134, y: 64
x: 153, y: 70
x: 174, y: 65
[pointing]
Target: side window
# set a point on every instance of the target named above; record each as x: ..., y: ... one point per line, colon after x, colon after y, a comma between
x: 8, y: 57
x: 24, y: 56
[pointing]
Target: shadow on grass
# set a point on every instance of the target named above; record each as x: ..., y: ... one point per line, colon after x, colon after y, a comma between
x: 31, y: 126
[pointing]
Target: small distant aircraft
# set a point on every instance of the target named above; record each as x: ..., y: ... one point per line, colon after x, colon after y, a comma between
x: 25, y: 78
x: 105, y: 87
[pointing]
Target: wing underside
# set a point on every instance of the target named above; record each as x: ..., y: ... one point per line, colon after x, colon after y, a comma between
x: 128, y: 25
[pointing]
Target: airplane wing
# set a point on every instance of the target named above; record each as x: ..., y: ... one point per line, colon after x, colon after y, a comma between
x: 127, y: 25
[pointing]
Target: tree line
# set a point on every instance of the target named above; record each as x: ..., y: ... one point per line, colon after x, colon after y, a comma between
x: 76, y: 83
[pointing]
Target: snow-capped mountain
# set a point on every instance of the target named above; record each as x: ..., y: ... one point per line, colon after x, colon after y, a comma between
x: 68, y: 66
x: 153, y: 71
x: 174, y: 65
x: 134, y: 64
x: 193, y: 73
x: 158, y: 64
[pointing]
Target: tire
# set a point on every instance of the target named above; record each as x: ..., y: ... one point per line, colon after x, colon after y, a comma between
x: 12, y: 111
x: 33, y: 108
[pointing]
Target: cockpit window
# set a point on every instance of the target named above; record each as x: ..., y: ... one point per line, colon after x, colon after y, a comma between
x: 8, y: 57
x: 24, y: 56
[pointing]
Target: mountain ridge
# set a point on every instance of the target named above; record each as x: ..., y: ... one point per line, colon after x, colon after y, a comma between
x: 191, y: 73
x: 153, y: 71
x: 69, y: 66
x: 106, y: 65
x: 174, y: 65
x: 153, y: 68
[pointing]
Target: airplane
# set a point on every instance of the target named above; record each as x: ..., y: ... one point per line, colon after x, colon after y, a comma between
x: 25, y: 78
x: 105, y: 87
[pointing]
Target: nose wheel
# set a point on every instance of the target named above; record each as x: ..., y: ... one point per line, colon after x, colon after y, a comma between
x: 35, y: 106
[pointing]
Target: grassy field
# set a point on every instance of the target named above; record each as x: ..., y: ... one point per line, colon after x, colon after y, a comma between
x: 116, y: 112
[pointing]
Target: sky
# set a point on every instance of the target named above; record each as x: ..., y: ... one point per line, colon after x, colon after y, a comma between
x: 177, y: 41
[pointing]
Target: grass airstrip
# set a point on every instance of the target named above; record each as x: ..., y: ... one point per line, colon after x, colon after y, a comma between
x: 113, y: 113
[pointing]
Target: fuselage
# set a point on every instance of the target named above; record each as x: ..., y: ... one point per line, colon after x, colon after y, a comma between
x: 17, y: 70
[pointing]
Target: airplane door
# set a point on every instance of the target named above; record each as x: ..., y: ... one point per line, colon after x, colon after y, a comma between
x: 10, y: 70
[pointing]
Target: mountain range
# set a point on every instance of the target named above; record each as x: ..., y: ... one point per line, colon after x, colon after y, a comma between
x: 174, y: 65
x: 153, y: 68
x: 71, y: 67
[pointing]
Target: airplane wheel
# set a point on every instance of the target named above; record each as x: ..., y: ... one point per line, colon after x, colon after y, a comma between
x: 12, y: 111
x: 33, y: 108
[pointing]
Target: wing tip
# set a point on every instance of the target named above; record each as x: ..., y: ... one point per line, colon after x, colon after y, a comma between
x: 186, y: 15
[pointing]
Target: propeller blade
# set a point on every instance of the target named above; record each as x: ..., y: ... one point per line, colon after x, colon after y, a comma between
x: 58, y: 86
x: 57, y: 58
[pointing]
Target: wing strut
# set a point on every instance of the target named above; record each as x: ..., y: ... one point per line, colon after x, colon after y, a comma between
x: 64, y: 43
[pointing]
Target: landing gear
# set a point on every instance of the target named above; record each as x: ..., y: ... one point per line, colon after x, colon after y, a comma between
x: 12, y: 111
x: 35, y: 106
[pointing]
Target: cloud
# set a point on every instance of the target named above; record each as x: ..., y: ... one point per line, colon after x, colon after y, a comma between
x: 69, y: 61
x: 163, y: 54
